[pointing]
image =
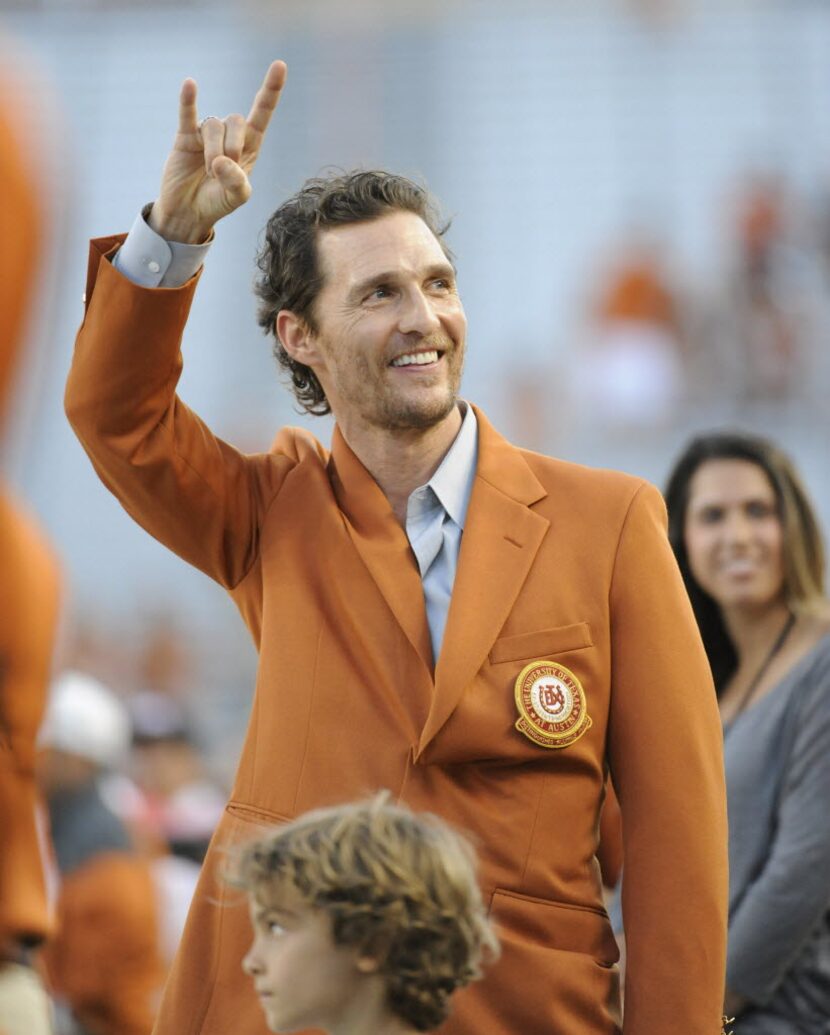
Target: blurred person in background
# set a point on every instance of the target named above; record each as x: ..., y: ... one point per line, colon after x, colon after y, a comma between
x: 29, y: 598
x: 182, y: 803
x: 500, y: 695
x: 768, y: 314
x: 177, y: 808
x: 103, y: 962
x: 632, y: 369
x: 21, y: 239
x: 29, y: 601
x: 767, y: 334
x: 752, y: 556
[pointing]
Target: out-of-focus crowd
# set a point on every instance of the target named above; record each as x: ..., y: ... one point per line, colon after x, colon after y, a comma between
x: 106, y: 803
x: 655, y: 343
x: 750, y: 335
x: 131, y: 810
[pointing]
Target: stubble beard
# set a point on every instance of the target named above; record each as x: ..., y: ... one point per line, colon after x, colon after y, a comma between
x: 367, y: 389
x: 394, y: 412
x: 409, y: 415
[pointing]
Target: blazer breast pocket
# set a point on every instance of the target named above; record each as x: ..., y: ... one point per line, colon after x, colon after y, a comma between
x: 541, y: 644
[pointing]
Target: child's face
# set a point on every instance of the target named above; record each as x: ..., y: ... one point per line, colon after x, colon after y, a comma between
x: 302, y: 978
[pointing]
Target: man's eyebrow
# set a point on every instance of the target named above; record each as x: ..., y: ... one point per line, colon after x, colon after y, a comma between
x: 438, y: 269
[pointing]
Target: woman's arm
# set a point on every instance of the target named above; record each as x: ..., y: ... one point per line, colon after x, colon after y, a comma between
x: 792, y: 893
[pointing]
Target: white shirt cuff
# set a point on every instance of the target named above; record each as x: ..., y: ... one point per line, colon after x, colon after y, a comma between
x: 150, y: 261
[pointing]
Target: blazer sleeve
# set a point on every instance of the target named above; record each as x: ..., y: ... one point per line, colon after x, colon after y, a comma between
x: 192, y: 491
x: 666, y: 761
x: 789, y: 898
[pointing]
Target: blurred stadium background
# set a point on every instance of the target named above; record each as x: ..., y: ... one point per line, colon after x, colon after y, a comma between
x: 640, y: 195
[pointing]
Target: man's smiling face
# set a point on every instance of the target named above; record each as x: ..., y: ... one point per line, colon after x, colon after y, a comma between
x: 391, y: 329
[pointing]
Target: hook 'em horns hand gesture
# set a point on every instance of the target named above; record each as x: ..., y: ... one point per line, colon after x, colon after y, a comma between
x: 206, y: 173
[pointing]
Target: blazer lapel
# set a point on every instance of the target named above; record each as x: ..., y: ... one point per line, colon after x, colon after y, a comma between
x: 382, y: 545
x: 500, y: 541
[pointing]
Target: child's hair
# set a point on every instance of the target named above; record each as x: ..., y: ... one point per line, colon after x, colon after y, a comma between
x: 400, y: 888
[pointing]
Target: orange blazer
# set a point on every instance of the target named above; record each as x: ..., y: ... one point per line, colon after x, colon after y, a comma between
x: 558, y: 563
x: 29, y: 591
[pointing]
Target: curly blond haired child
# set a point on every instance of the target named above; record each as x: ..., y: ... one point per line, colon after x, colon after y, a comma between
x: 367, y: 918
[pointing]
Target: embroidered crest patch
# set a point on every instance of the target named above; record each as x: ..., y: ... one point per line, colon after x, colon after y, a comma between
x: 551, y: 704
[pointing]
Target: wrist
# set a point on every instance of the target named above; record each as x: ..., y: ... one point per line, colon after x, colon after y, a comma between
x: 175, y: 228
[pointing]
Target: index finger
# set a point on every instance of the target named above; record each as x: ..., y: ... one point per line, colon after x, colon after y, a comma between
x: 188, y: 118
x: 267, y: 97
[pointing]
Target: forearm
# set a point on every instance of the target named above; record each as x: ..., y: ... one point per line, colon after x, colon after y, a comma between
x: 666, y: 764
x: 787, y: 901
x: 127, y: 360
x: 675, y: 924
x: 163, y: 464
x: 776, y: 917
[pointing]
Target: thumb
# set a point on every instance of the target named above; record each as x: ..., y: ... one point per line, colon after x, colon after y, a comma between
x: 232, y: 178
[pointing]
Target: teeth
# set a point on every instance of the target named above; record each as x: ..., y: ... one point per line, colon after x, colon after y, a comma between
x: 740, y: 569
x: 416, y: 359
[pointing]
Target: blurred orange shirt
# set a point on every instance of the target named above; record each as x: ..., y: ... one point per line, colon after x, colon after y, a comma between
x: 21, y: 227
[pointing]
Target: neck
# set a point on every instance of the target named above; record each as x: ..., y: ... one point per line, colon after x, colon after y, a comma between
x: 368, y: 1013
x: 752, y: 630
x: 375, y: 1025
x: 402, y: 459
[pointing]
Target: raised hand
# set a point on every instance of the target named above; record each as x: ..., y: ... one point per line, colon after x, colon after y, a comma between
x: 206, y: 174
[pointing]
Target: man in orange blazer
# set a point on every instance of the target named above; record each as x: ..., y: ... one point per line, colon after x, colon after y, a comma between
x: 488, y: 632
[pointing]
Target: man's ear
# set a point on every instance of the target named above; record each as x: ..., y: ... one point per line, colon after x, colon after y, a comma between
x: 296, y: 338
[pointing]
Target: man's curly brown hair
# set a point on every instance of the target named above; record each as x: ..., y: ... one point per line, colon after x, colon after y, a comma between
x: 399, y: 888
x: 288, y: 261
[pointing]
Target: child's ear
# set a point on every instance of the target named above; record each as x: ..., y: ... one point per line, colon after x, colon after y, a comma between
x: 368, y: 964
x: 371, y: 956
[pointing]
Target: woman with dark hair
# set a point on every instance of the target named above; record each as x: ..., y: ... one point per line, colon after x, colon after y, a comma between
x: 751, y: 554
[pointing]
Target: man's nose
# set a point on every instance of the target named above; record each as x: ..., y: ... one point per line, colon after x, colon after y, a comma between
x: 418, y: 314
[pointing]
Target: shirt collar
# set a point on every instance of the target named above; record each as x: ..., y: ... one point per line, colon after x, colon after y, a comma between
x: 452, y: 483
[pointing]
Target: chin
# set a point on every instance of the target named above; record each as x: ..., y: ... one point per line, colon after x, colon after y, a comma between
x: 753, y: 601
x: 282, y: 1025
x: 420, y: 416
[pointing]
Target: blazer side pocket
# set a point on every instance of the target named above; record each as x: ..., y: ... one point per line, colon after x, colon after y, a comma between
x: 254, y: 814
x: 556, y: 925
x: 541, y: 644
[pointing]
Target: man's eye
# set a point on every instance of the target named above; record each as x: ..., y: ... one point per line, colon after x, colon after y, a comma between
x: 275, y: 929
x: 381, y: 291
